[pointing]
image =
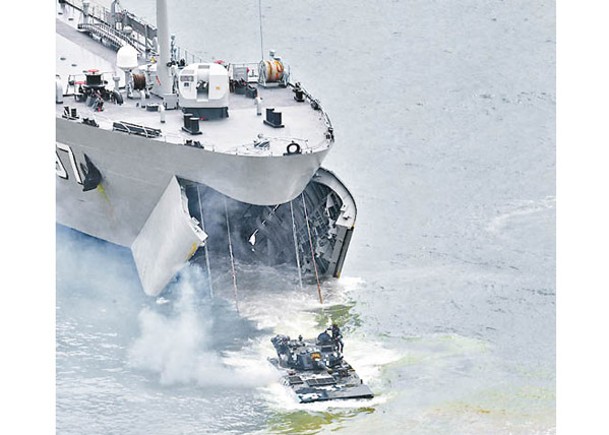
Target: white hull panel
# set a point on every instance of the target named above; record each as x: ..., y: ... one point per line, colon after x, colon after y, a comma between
x: 167, y: 241
x: 135, y: 172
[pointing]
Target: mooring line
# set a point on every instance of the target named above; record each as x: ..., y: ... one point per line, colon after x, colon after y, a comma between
x: 304, y: 204
x: 296, y: 245
x: 232, y: 258
x: 211, y: 289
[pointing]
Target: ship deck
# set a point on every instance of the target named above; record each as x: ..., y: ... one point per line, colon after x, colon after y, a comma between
x: 78, y: 52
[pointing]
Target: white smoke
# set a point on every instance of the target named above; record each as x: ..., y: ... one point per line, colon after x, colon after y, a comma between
x: 177, y: 345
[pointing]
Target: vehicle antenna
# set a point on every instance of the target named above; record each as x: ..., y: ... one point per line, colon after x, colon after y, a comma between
x: 304, y: 204
x: 232, y: 258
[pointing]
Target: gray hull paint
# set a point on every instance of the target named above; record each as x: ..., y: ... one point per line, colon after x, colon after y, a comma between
x: 136, y: 171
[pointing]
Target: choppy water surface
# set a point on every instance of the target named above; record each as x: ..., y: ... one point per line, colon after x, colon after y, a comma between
x: 444, y: 115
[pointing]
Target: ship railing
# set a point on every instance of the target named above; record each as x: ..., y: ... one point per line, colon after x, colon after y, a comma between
x: 179, y: 139
x: 253, y: 75
x: 306, y: 147
x: 75, y: 80
x: 141, y: 36
x: 116, y: 38
x: 275, y: 143
x: 315, y: 103
x: 251, y: 68
x: 321, y: 145
x: 137, y: 129
x: 189, y: 57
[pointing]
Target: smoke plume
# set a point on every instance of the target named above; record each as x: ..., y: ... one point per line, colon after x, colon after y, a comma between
x: 177, y: 345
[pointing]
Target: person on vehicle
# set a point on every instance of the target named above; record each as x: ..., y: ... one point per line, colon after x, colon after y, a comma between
x: 337, y: 337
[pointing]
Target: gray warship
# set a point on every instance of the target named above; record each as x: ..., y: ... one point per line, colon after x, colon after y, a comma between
x: 179, y: 159
x: 316, y: 371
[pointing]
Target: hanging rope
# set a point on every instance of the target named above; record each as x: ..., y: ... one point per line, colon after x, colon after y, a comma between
x: 211, y: 289
x: 232, y: 258
x: 304, y: 205
x: 296, y: 245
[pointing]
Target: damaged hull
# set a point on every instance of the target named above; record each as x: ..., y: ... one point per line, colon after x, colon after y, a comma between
x: 278, y: 234
x: 143, y: 163
x: 131, y: 207
x: 136, y: 171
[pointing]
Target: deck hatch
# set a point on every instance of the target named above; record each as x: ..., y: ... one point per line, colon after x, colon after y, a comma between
x: 295, y: 380
x: 321, y: 382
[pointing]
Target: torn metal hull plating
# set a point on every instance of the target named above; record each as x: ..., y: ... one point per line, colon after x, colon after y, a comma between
x: 135, y: 168
x: 277, y: 234
x: 122, y: 209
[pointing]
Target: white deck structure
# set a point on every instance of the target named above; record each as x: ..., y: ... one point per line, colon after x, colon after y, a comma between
x: 124, y: 171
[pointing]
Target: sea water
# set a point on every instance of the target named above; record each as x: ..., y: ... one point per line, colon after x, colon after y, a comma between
x: 444, y: 114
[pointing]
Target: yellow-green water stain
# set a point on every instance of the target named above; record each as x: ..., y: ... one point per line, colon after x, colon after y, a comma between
x: 305, y: 423
x: 341, y: 314
x: 520, y: 406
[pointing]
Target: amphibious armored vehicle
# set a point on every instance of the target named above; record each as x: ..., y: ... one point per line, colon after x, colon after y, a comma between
x: 316, y: 370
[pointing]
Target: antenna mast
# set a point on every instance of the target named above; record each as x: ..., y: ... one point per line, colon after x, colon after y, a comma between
x: 260, y: 21
x: 162, y: 24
